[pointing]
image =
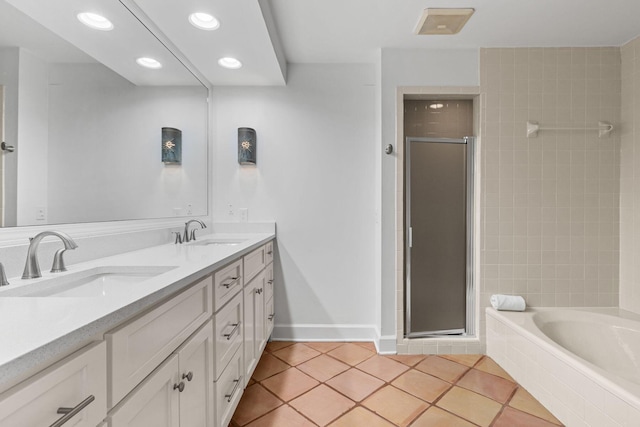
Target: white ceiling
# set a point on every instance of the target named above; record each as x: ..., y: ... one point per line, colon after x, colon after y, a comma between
x: 353, y: 30
x: 266, y: 34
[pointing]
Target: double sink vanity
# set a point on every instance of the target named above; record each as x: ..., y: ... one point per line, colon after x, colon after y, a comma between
x: 163, y: 336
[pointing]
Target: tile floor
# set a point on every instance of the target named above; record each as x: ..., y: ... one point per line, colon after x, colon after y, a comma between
x: 349, y: 385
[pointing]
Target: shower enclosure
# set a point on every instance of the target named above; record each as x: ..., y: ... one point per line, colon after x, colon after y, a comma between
x: 439, y: 236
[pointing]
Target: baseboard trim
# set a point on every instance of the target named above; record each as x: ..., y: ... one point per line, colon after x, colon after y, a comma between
x: 386, y: 344
x: 323, y: 332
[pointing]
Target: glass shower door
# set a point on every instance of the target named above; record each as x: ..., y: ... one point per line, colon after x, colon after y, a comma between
x: 438, y: 236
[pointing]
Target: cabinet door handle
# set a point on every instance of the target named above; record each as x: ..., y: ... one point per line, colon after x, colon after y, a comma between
x: 259, y: 291
x: 233, y: 391
x: 233, y: 331
x: 179, y: 386
x: 270, y: 282
x: 231, y: 283
x: 269, y: 253
x: 71, y: 412
x: 188, y: 376
x: 272, y: 316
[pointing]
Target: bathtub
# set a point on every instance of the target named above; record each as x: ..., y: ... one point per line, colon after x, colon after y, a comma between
x: 582, y: 364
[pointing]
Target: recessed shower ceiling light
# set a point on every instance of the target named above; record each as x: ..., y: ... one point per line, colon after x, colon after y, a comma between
x: 149, y: 63
x: 229, y: 62
x: 204, y: 21
x: 95, y: 21
x: 443, y: 21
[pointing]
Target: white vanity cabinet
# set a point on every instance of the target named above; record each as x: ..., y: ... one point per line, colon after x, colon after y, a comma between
x: 228, y: 390
x: 183, y: 362
x: 137, y: 347
x: 269, y: 311
x: 179, y: 393
x: 75, y: 388
x: 254, y: 263
x: 228, y: 326
x: 254, y: 318
x: 258, y: 305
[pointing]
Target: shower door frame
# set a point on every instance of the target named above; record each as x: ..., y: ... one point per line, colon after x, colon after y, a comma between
x: 470, y: 315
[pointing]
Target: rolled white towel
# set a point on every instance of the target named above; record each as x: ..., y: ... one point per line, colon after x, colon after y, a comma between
x: 508, y: 302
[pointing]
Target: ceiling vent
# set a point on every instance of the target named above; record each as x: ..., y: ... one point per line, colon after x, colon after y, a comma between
x: 443, y: 21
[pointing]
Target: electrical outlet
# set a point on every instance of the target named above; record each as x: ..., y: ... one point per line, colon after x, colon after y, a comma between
x: 41, y: 214
x: 189, y: 209
x: 244, y: 214
x: 230, y: 211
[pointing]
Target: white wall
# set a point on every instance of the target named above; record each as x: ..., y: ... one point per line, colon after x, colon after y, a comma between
x: 32, y: 146
x: 315, y: 177
x: 105, y: 147
x: 408, y: 67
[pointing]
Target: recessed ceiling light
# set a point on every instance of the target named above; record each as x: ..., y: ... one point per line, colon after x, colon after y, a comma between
x: 204, y: 21
x: 95, y: 21
x: 149, y: 63
x: 436, y: 106
x: 229, y: 62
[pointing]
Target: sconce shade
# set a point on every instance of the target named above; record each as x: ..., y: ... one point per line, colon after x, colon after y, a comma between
x: 171, y: 146
x: 247, y: 146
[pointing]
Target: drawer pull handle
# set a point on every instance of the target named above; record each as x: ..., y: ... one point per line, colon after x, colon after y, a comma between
x: 71, y: 412
x: 233, y: 391
x: 233, y: 331
x: 188, y: 376
x: 231, y: 283
x: 179, y: 386
x: 272, y: 316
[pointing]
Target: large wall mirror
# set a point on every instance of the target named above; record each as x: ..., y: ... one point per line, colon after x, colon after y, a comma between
x: 85, y: 121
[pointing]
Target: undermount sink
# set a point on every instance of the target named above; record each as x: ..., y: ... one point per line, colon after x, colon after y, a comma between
x: 98, y: 282
x: 218, y: 242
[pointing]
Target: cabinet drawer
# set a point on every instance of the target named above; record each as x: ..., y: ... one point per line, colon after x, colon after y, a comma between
x: 269, y: 252
x: 226, y: 283
x: 228, y: 333
x: 270, y: 318
x: 254, y: 262
x: 67, y: 383
x: 229, y: 390
x: 137, y: 347
x: 268, y: 285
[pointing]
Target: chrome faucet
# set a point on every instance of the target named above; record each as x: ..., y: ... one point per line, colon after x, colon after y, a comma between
x: 32, y: 269
x: 191, y: 236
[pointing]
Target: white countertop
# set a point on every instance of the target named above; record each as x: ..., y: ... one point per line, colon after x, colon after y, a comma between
x: 35, y: 331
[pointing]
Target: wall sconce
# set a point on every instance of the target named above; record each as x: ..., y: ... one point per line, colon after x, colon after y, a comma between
x: 247, y: 146
x: 171, y: 146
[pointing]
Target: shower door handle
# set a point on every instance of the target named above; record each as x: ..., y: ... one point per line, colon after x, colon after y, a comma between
x: 410, y: 237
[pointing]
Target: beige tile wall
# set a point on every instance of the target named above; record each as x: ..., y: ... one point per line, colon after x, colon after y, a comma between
x: 550, y: 205
x: 630, y: 179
